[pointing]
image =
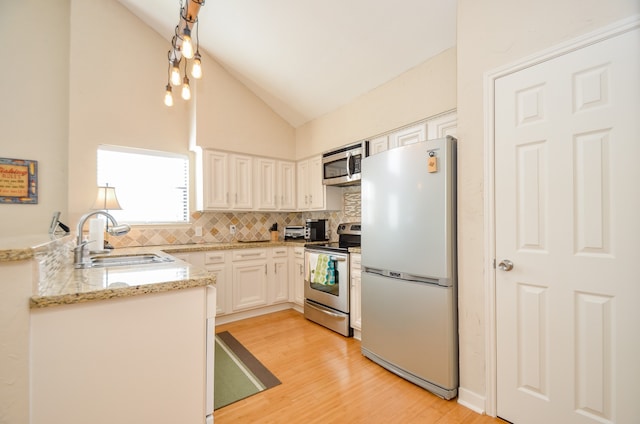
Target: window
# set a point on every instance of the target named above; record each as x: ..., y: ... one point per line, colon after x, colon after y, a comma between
x: 151, y: 186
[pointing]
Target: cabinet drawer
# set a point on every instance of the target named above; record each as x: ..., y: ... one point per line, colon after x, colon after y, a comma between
x: 249, y: 254
x: 279, y: 252
x: 216, y: 257
x: 298, y: 252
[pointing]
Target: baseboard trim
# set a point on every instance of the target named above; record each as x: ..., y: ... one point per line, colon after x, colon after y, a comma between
x: 471, y: 400
x: 237, y: 316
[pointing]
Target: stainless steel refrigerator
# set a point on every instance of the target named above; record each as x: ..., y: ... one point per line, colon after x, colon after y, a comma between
x: 409, y: 290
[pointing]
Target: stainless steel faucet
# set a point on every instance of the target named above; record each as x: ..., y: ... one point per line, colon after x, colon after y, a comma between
x: 79, y: 258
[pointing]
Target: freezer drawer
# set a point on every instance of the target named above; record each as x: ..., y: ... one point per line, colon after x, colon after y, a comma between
x: 410, y: 328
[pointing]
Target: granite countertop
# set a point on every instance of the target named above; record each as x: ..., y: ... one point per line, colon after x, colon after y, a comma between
x: 69, y: 285
x: 205, y: 247
x: 83, y: 285
x: 23, y: 247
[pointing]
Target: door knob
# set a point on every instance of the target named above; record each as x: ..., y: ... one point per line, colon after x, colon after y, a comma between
x: 505, y: 265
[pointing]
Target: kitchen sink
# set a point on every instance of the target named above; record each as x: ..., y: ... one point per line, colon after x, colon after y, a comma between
x: 128, y: 260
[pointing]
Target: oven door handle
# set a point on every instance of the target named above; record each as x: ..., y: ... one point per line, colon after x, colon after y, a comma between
x: 324, y: 311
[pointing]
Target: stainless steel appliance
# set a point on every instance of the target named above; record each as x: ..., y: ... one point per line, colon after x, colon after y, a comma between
x: 327, y: 280
x: 316, y: 230
x: 294, y: 232
x: 409, y: 282
x: 342, y: 166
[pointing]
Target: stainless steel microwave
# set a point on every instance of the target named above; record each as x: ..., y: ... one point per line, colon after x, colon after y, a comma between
x: 342, y: 166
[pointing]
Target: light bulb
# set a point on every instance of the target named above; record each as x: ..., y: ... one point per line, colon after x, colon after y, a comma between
x: 175, y: 74
x: 196, y: 68
x: 168, y: 97
x: 186, y: 91
x: 187, y: 47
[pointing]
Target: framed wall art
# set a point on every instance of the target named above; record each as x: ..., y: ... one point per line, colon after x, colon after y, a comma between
x: 18, y: 181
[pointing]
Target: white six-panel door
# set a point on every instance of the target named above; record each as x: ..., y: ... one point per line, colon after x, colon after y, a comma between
x: 567, y: 216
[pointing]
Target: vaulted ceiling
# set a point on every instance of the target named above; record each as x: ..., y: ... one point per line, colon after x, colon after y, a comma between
x: 306, y: 58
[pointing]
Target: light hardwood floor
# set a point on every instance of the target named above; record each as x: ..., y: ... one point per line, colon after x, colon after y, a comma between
x: 325, y: 379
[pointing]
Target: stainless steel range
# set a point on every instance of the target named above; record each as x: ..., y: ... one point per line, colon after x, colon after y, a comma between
x: 327, y: 280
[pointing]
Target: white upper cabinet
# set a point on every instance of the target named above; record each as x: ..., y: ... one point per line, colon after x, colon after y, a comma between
x: 317, y: 191
x: 408, y: 135
x: 265, y: 184
x: 303, y: 176
x: 429, y: 129
x: 378, y: 144
x: 442, y: 126
x: 227, y: 180
x: 274, y: 184
x: 216, y: 180
x: 286, y: 185
x: 312, y: 194
x: 241, y: 182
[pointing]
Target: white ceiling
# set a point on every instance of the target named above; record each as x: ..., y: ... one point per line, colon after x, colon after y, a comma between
x: 306, y: 58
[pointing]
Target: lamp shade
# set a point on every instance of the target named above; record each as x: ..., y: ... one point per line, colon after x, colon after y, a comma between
x: 106, y: 199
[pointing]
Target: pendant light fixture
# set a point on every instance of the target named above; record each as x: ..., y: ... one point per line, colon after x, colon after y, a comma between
x: 182, y: 50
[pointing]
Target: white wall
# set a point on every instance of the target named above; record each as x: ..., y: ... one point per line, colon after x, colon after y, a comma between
x: 493, y: 34
x: 230, y: 117
x: 34, y: 106
x: 425, y: 90
x: 117, y: 74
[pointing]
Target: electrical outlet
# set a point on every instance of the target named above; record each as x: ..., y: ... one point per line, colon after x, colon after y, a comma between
x: 232, y: 229
x: 198, y: 231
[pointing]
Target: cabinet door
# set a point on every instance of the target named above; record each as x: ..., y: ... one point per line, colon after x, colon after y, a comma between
x: 356, y: 284
x: 216, y: 180
x: 249, y: 284
x: 279, y: 275
x: 221, y: 287
x: 265, y: 184
x: 298, y: 281
x: 286, y: 186
x: 216, y: 263
x: 279, y: 286
x: 378, y: 144
x: 408, y: 135
x: 303, y: 185
x: 241, y: 173
x: 316, y: 188
x: 442, y: 126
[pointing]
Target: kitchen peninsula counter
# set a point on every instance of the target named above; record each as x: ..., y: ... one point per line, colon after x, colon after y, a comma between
x: 57, y: 282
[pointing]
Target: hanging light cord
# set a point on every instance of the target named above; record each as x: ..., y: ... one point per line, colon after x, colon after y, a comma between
x: 175, y: 54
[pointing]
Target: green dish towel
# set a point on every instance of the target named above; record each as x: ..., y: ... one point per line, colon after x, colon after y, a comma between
x: 319, y: 273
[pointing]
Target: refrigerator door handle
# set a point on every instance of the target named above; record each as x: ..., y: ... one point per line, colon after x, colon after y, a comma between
x: 373, y: 270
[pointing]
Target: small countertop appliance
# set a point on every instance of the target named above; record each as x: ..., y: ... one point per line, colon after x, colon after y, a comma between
x: 294, y: 232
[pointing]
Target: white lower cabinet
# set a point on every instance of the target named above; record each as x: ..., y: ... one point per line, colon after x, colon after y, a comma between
x: 250, y: 272
x: 250, y: 279
x: 356, y: 282
x: 278, y: 284
x: 297, y: 276
x: 216, y: 263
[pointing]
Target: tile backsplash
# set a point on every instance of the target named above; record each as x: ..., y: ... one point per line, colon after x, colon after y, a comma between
x: 249, y: 225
